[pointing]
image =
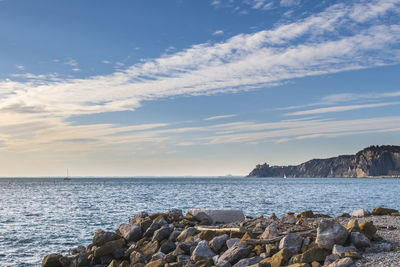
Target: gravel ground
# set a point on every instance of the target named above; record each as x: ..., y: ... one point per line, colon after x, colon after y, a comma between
x: 389, y: 231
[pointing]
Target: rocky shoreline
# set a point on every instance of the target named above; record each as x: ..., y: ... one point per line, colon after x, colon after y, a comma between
x: 226, y: 238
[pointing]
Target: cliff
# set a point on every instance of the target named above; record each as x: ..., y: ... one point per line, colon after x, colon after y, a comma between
x: 373, y: 161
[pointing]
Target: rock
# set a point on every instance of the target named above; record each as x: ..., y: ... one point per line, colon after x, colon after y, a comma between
x: 313, y: 254
x: 157, y: 256
x: 109, y: 247
x: 232, y: 241
x: 174, y: 235
x: 167, y: 247
x: 152, y: 228
x: 52, y: 260
x: 183, y: 259
x: 271, y: 249
x: 270, y: 232
x: 102, y: 237
x: 289, y: 218
x: 292, y: 242
x: 223, y: 264
x: 156, y: 263
x: 315, y: 264
x: 235, y: 253
x: 202, y: 251
x: 207, y: 235
x: 340, y: 250
x: 144, y: 223
x: 113, y: 263
x: 130, y: 232
x: 359, y: 240
x: 360, y: 213
x: 139, y: 215
x: 383, y: 211
x: 248, y: 261
x: 353, y: 255
x: 368, y: 229
x: 299, y: 265
x: 218, y: 242
x: 208, y: 262
x: 280, y: 258
x: 306, y: 214
x: 162, y: 233
x: 137, y: 257
x: 259, y: 250
x: 329, y: 233
x: 150, y: 248
x: 203, y: 218
x: 191, y: 231
x: 353, y: 226
x: 175, y: 214
x: 118, y: 253
x: 220, y: 216
x: 186, y: 247
x: 343, y: 215
x: 331, y: 258
x: 345, y: 262
x: 138, y: 265
x: 123, y: 264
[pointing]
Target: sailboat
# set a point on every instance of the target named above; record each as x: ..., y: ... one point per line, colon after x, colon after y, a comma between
x: 67, y: 177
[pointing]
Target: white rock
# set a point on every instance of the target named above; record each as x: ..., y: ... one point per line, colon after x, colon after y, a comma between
x: 330, y: 233
x: 220, y: 216
x: 202, y: 251
x: 360, y: 213
x: 292, y: 242
x: 345, y: 262
x: 247, y: 262
x: 232, y: 241
x: 340, y: 250
x: 270, y: 232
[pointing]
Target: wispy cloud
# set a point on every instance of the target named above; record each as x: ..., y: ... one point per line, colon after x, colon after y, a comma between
x: 220, y: 117
x: 71, y: 62
x: 218, y: 32
x: 340, y: 108
x: 20, y: 67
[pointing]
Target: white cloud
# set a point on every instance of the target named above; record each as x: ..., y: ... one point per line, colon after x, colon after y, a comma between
x: 20, y: 67
x: 71, y: 62
x: 220, y: 117
x: 218, y: 32
x: 340, y: 108
x: 106, y: 62
x: 287, y: 3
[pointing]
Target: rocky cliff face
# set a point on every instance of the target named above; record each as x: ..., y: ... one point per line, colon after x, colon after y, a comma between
x: 369, y: 162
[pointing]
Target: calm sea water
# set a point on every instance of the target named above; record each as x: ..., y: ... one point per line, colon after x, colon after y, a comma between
x: 42, y: 216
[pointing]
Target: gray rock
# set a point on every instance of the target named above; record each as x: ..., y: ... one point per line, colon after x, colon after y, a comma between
x: 167, y: 247
x: 218, y: 242
x: 138, y: 215
x: 292, y: 242
x: 230, y: 242
x: 359, y: 240
x: 130, y: 232
x: 174, y: 235
x: 340, y: 250
x: 102, y: 237
x: 186, y: 247
x: 220, y: 216
x: 270, y: 232
x: 344, y: 215
x: 158, y: 256
x: 202, y: 251
x: 152, y: 228
x: 360, y: 213
x: 288, y: 218
x: 191, y: 231
x: 329, y: 233
x: 248, y: 261
x: 177, y: 252
x: 203, y: 218
x: 183, y: 259
x: 162, y: 233
x: 331, y: 258
x: 223, y: 264
x: 345, y: 262
x: 235, y: 253
x: 175, y: 213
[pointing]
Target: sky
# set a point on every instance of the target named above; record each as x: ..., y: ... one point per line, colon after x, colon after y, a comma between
x: 193, y: 87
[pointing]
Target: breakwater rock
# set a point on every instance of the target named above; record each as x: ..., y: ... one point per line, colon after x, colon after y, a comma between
x: 373, y: 161
x: 172, y: 239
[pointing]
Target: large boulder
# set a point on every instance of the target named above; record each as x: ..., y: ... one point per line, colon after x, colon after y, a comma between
x: 102, y: 237
x: 313, y: 254
x: 191, y: 231
x: 162, y: 233
x: 202, y: 251
x: 137, y: 257
x: 52, y: 260
x: 360, y: 213
x: 152, y: 228
x: 279, y: 259
x: 167, y: 247
x: 232, y: 241
x: 218, y: 242
x: 203, y: 218
x: 109, y: 247
x: 288, y: 218
x: 330, y: 233
x: 383, y: 211
x: 270, y: 232
x: 150, y: 248
x: 368, y: 229
x: 345, y: 262
x: 220, y: 216
x: 359, y: 240
x: 235, y: 253
x: 353, y: 226
x: 292, y: 242
x: 130, y: 232
x: 248, y: 261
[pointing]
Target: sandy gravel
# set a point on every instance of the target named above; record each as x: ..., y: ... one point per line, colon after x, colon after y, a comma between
x: 389, y: 231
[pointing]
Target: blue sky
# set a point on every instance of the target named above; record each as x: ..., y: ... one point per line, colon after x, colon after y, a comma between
x: 185, y: 87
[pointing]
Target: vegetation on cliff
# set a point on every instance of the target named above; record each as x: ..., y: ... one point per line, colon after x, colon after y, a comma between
x: 373, y: 161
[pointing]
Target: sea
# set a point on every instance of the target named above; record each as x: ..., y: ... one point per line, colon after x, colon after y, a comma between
x: 39, y: 216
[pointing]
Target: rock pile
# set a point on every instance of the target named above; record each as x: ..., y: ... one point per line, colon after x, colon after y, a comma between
x: 171, y: 239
